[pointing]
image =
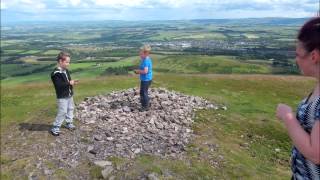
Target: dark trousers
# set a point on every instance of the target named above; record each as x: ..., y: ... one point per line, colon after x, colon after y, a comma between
x: 144, y: 98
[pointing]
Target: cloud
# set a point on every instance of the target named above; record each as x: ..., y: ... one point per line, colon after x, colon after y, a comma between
x: 155, y: 9
x: 24, y: 5
x: 3, y: 5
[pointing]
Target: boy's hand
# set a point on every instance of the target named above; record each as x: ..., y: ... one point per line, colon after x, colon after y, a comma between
x: 136, y: 71
x: 74, y: 82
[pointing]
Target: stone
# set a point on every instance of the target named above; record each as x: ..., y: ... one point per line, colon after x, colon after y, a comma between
x: 138, y: 150
x: 152, y: 176
x: 110, y: 138
x: 108, y: 134
x: 224, y: 108
x: 120, y: 129
x: 126, y: 109
x: 92, y: 150
x: 159, y: 125
x: 102, y: 163
x: 98, y: 138
x: 47, y: 172
x: 106, y: 172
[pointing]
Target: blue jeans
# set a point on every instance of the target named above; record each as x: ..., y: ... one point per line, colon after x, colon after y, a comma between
x: 144, y: 98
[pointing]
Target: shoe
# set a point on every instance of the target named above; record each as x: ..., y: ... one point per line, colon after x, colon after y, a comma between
x: 142, y: 109
x: 70, y: 126
x: 55, y: 131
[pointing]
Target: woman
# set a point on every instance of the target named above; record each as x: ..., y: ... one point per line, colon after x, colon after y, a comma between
x: 304, y: 127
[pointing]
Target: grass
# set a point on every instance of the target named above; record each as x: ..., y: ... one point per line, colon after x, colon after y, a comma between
x: 78, y: 70
x: 31, y: 52
x: 22, y: 96
x: 5, y: 43
x: 10, y: 70
x: 250, y: 121
x: 79, y: 36
x: 51, y: 52
x: 208, y: 64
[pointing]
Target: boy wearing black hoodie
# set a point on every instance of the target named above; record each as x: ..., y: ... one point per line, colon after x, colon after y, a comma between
x: 63, y: 85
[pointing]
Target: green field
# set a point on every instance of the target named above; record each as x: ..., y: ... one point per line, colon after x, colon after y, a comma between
x: 209, y: 64
x: 162, y: 63
x: 51, y: 52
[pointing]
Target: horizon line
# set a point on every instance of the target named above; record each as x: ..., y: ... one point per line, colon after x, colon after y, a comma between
x: 240, y: 18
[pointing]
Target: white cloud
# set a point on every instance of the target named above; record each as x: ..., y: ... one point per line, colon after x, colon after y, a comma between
x: 3, y: 5
x: 24, y: 5
x: 154, y: 3
x: 119, y: 3
x: 158, y: 9
x: 75, y: 2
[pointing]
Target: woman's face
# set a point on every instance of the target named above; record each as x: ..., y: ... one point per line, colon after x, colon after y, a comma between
x: 303, y: 59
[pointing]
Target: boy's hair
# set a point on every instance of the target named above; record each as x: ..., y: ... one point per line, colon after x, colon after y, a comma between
x: 145, y: 48
x: 309, y: 34
x: 62, y: 56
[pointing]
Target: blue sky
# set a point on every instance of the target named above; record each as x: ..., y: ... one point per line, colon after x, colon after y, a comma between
x: 78, y: 10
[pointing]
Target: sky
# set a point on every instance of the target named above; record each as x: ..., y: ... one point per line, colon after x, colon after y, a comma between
x: 136, y: 10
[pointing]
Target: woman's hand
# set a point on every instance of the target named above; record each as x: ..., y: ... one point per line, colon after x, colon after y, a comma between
x: 284, y: 112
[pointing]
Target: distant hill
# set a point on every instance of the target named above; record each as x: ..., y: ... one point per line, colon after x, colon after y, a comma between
x: 242, y: 21
x: 253, y: 21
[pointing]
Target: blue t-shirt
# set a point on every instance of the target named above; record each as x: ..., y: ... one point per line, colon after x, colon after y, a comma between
x: 146, y: 63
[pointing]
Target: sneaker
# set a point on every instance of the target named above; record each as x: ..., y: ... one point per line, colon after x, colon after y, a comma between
x: 142, y: 109
x: 70, y: 126
x: 55, y: 131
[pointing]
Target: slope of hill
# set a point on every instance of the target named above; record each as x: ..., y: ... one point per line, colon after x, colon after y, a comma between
x: 246, y: 137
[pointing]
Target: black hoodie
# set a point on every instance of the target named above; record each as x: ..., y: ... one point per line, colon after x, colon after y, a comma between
x: 61, y: 79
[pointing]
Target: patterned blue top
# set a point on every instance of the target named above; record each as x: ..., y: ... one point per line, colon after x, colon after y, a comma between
x: 307, y: 114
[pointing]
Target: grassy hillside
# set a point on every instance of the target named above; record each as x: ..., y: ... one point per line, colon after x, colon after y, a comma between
x: 37, y: 72
x: 209, y: 64
x: 247, y: 134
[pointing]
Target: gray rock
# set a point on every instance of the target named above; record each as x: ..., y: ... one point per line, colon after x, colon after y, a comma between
x: 106, y: 172
x: 153, y: 176
x: 126, y: 109
x: 98, y: 138
x: 103, y: 163
x: 47, y: 172
x: 163, y: 130
x: 224, y: 107
x: 92, y: 150
x: 138, y: 150
x: 159, y: 125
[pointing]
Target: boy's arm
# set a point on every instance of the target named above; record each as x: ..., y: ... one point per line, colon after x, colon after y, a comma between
x: 144, y: 71
x: 59, y: 81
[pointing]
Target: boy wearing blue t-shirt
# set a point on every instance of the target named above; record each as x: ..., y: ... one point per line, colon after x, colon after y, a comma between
x: 145, y: 71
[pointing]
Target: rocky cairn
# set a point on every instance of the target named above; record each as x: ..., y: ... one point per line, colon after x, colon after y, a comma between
x: 116, y: 127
